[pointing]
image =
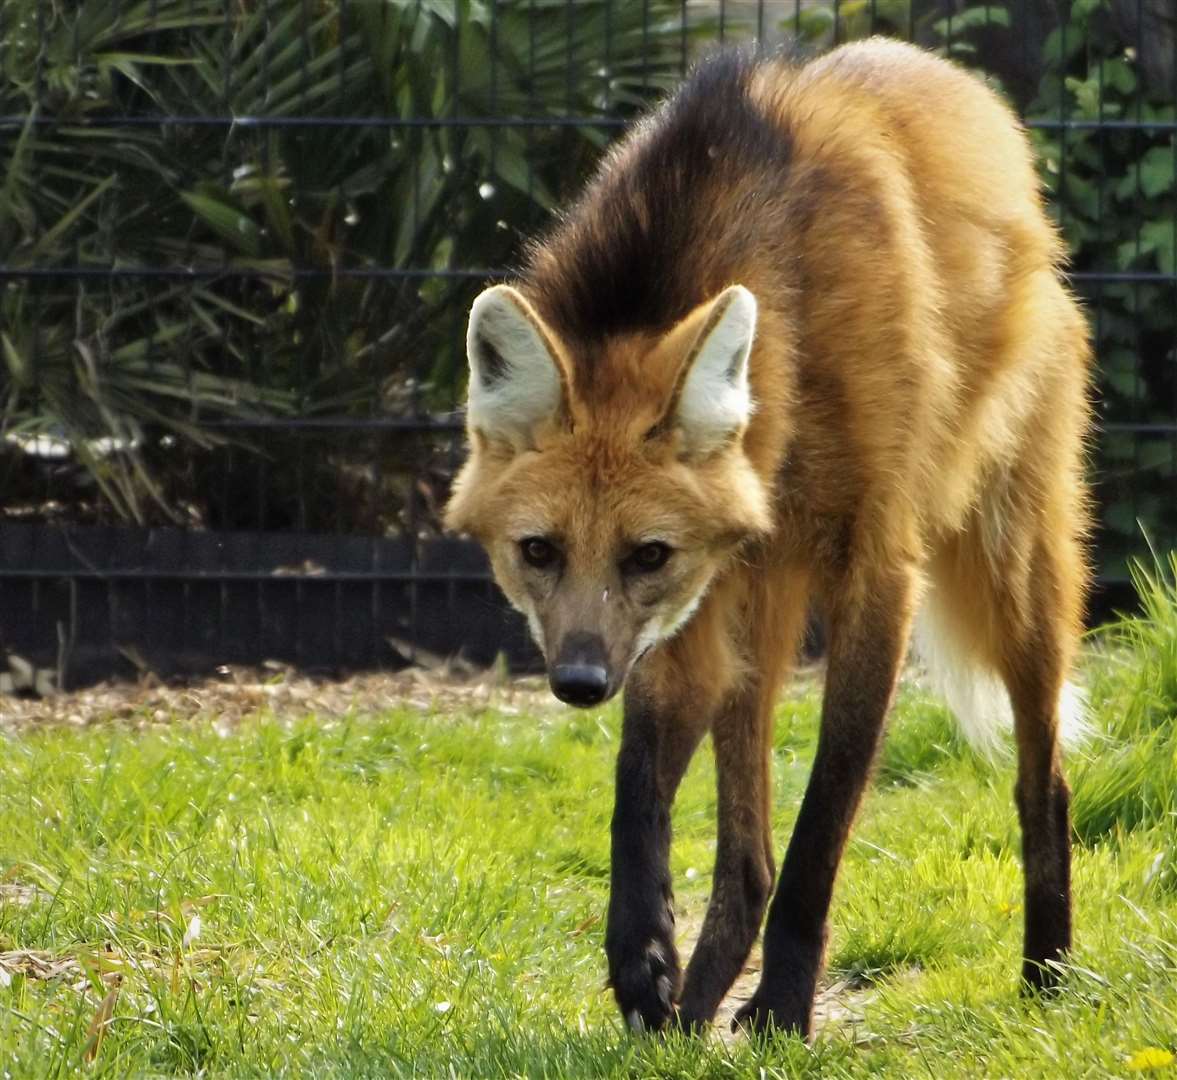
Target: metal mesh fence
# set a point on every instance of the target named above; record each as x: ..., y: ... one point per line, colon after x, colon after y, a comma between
x: 238, y: 241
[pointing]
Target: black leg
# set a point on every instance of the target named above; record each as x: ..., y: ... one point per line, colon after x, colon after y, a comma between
x: 868, y: 638
x: 1046, y: 859
x: 656, y: 746
x: 743, y: 858
x: 1037, y: 652
x: 1043, y: 802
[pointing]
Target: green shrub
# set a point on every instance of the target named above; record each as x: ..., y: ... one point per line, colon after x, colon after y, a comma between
x: 243, y: 206
x: 139, y: 358
x: 1116, y: 200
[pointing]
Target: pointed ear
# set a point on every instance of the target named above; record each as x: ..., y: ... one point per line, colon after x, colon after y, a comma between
x: 714, y: 403
x: 516, y: 380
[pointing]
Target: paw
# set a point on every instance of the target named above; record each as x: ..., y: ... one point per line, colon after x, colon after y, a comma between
x: 691, y: 1024
x: 645, y: 983
x: 761, y: 1017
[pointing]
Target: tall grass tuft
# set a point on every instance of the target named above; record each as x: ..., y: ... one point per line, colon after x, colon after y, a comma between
x: 1129, y: 777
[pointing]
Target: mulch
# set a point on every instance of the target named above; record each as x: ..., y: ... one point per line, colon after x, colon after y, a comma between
x: 234, y: 694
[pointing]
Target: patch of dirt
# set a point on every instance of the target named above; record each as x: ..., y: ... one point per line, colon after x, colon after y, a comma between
x: 235, y: 694
x: 840, y: 1007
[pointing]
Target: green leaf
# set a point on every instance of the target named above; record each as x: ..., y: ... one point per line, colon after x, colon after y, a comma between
x: 1117, y: 73
x: 511, y: 166
x: 1126, y: 384
x: 226, y: 220
x: 1062, y: 45
x: 275, y: 198
x: 1082, y: 196
x: 971, y: 19
x: 50, y: 237
x: 1128, y: 252
x: 1118, y: 446
x: 14, y: 175
x: 16, y: 362
x: 1087, y: 95
x: 1158, y: 237
x: 1157, y: 171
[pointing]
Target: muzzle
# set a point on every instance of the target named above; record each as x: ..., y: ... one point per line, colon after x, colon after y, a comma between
x: 580, y: 674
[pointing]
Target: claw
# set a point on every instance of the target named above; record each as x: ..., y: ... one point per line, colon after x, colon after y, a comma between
x: 645, y: 986
x: 662, y: 988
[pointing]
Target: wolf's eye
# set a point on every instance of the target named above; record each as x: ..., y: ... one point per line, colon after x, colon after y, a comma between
x: 647, y: 558
x: 538, y: 552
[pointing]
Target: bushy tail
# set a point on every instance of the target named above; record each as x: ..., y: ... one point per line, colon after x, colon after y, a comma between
x: 976, y: 694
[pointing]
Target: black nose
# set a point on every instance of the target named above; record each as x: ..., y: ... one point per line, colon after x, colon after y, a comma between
x: 580, y: 684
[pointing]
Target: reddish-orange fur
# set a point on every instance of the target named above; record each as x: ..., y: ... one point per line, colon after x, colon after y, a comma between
x: 920, y: 377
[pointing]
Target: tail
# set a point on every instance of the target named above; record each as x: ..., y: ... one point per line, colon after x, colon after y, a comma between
x: 976, y: 694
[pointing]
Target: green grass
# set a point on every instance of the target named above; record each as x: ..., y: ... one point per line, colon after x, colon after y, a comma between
x: 422, y: 895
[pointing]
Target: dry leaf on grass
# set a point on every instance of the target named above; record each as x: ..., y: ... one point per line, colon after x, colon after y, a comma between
x: 99, y: 966
x: 35, y: 964
x: 96, y: 1032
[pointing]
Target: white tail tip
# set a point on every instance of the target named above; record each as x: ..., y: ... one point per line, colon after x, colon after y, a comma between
x: 978, y: 698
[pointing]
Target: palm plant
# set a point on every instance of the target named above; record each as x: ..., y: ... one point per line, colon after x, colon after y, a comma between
x: 212, y: 214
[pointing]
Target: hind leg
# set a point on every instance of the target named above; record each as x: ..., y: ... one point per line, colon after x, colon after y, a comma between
x: 1034, y: 667
x: 1015, y: 609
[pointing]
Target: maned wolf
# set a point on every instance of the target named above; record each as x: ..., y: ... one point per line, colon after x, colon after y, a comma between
x: 803, y: 340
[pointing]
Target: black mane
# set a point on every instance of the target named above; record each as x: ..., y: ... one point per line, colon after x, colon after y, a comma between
x: 660, y: 226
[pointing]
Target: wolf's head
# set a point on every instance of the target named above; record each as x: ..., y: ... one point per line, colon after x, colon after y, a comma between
x: 609, y: 489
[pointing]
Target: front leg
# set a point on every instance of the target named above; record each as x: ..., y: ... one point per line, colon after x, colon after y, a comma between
x: 742, y: 737
x: 657, y: 742
x: 870, y: 623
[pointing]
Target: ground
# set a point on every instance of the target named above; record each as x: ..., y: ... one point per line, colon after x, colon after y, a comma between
x: 281, y: 877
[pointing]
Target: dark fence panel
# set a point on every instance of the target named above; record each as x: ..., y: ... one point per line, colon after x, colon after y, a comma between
x: 87, y: 601
x: 237, y: 244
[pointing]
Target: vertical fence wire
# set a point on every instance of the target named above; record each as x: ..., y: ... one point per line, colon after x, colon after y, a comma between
x: 1139, y: 403
x: 1173, y: 242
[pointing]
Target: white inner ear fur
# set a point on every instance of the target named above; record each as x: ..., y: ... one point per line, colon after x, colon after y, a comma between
x: 514, y: 381
x: 716, y: 403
